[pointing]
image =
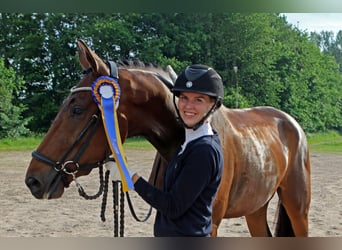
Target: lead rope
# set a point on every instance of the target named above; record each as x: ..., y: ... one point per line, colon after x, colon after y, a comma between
x: 116, y: 207
x: 99, y: 192
x: 116, y: 212
x: 130, y: 205
x: 119, y: 209
x: 122, y: 211
x: 104, y: 197
x: 103, y: 189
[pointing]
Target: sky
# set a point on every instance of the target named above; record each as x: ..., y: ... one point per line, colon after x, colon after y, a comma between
x: 317, y: 22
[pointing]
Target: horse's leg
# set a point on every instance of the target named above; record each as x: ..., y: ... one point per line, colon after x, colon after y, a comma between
x: 215, y: 229
x: 294, y: 190
x: 284, y: 227
x: 216, y: 223
x: 295, y: 195
x: 293, y: 213
x: 257, y: 223
x: 219, y: 211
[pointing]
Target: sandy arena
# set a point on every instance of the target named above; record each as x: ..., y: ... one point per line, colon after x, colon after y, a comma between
x: 72, y: 216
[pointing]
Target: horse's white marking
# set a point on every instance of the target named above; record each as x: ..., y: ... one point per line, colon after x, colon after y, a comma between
x: 256, y: 149
x: 46, y: 196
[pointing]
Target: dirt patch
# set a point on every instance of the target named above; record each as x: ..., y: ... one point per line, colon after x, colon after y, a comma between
x: 72, y: 216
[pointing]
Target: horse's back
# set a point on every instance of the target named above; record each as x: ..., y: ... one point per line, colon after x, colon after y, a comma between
x: 259, y: 145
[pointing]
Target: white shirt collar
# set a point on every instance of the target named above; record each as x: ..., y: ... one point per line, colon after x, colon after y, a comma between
x: 191, y: 135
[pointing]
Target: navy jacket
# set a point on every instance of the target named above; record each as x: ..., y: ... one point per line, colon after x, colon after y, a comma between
x: 192, y: 178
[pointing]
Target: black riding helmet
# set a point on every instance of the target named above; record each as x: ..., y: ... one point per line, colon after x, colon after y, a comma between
x: 200, y: 79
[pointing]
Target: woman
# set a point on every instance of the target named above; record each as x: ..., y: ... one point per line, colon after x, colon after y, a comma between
x: 192, y: 178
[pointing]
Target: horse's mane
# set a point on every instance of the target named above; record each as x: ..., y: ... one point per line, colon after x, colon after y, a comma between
x: 136, y: 63
x: 159, y: 71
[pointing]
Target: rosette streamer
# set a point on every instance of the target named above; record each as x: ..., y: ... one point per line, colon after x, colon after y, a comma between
x: 106, y: 93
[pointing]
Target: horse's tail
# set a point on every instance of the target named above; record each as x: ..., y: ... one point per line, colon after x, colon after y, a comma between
x: 283, y: 224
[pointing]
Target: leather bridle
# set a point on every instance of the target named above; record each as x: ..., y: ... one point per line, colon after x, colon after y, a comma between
x: 71, y: 167
x: 64, y: 166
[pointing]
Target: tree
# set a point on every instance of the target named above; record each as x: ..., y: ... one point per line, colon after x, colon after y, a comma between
x: 329, y: 44
x: 12, y: 124
x: 278, y: 65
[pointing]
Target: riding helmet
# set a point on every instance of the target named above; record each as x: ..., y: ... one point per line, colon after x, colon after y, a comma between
x: 200, y: 79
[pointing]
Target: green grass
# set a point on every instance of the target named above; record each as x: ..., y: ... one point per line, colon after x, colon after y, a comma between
x: 137, y: 143
x: 328, y: 142
x: 31, y: 143
x: 325, y: 142
x: 17, y: 144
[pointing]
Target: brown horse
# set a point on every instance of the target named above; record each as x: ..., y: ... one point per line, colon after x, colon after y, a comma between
x: 265, y: 150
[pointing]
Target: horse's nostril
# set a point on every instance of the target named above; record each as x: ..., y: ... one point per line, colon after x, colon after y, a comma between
x: 34, y: 185
x: 31, y: 181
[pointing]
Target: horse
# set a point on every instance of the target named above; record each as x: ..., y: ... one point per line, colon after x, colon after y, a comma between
x: 265, y: 149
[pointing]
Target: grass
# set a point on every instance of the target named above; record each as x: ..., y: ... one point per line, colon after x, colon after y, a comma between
x: 327, y: 142
x: 17, y: 144
x: 137, y: 143
x: 31, y: 143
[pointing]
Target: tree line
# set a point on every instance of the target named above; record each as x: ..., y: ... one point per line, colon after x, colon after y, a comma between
x: 263, y: 61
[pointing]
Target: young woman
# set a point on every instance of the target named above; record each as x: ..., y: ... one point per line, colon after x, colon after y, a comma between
x: 192, y: 178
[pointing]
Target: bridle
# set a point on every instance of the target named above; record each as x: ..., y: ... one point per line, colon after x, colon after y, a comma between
x: 64, y: 166
x: 72, y: 167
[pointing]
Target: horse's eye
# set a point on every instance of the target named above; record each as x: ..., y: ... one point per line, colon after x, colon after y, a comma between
x: 76, y: 110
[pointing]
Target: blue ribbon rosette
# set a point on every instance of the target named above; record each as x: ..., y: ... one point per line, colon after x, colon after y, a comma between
x: 106, y: 93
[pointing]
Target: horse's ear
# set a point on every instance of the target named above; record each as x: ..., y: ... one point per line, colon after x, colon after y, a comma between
x: 81, y: 48
x: 89, y: 59
x: 172, y: 73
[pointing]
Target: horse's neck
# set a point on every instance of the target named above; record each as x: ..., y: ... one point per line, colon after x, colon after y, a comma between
x: 165, y: 133
x: 157, y: 119
x: 165, y: 147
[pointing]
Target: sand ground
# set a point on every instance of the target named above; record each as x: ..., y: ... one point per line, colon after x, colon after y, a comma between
x: 72, y: 216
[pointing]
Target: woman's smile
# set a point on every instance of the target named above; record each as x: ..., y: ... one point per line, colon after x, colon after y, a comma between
x: 193, y: 107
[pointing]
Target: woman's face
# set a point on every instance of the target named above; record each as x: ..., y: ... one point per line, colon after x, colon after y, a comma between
x: 193, y: 107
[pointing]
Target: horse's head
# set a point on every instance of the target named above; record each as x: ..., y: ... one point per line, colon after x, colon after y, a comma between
x: 76, y: 141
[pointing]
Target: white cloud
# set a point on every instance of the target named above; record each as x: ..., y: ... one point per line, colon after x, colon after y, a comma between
x: 315, y: 21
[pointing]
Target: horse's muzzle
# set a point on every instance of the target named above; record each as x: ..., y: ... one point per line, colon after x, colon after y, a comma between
x: 53, y: 188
